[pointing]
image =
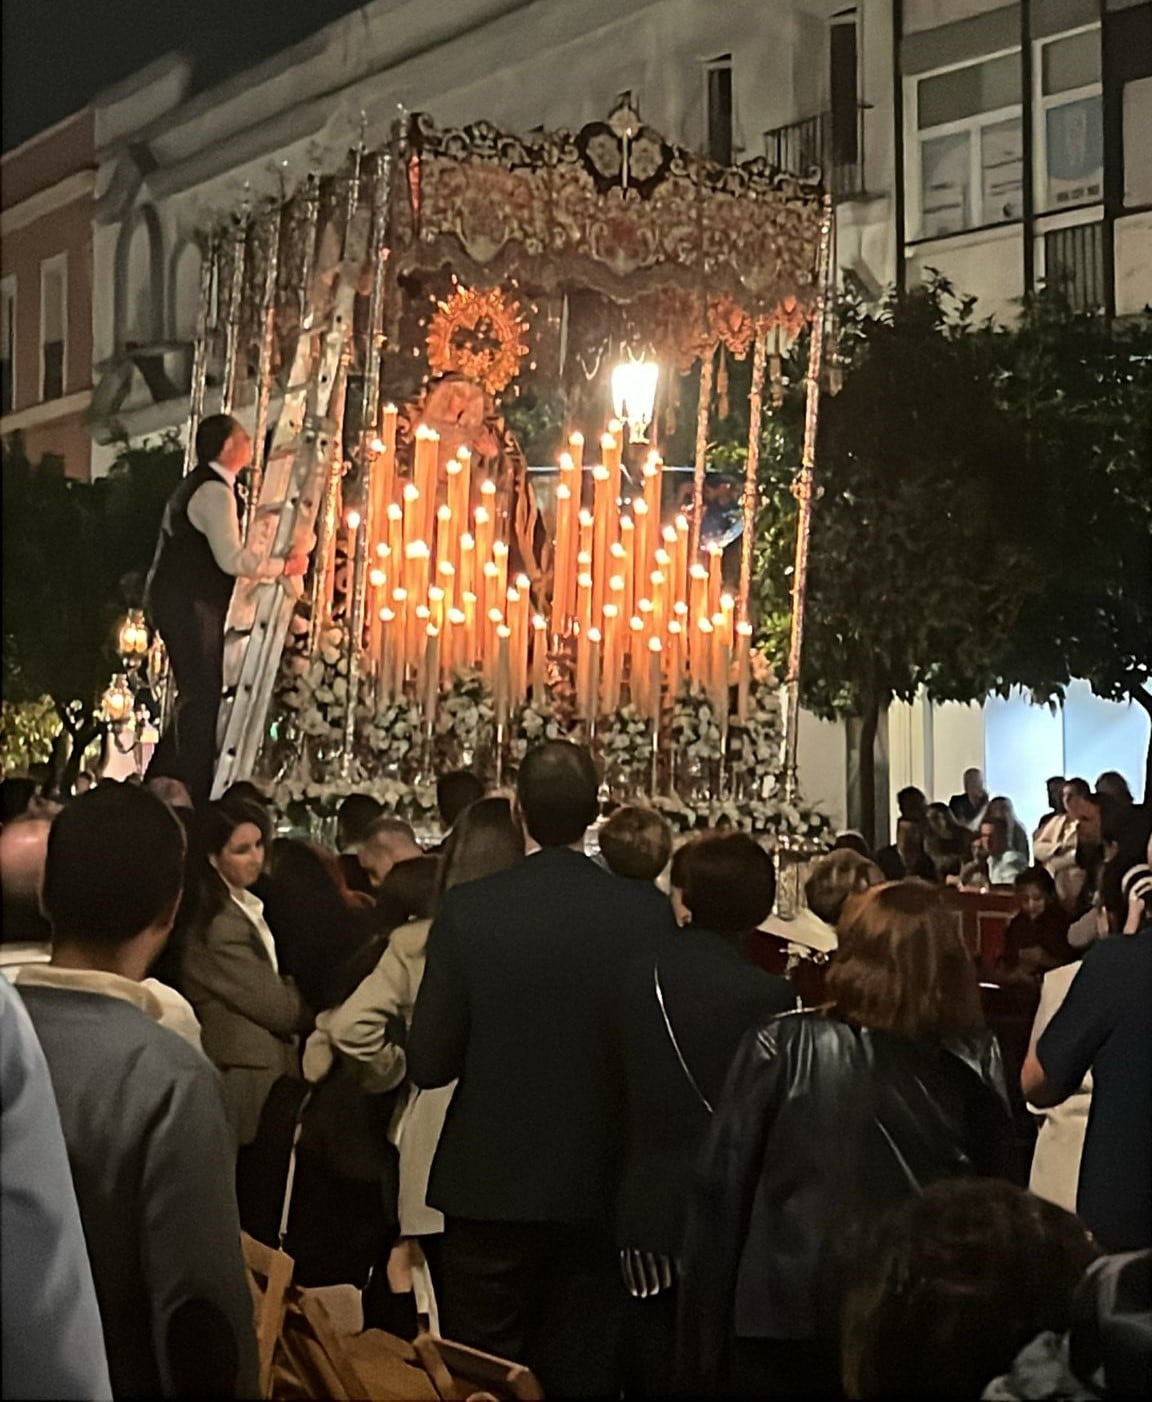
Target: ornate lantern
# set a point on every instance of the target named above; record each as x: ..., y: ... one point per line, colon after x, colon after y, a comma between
x: 119, y: 702
x: 132, y: 637
x: 634, y: 395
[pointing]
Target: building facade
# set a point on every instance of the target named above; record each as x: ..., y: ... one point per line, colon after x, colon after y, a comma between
x: 46, y: 210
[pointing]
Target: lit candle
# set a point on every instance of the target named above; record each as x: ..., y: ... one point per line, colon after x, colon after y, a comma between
x: 584, y: 542
x: 456, y: 624
x: 715, y: 578
x: 470, y: 604
x: 399, y: 639
x: 395, y: 540
x: 501, y: 699
x: 431, y: 690
x: 484, y: 529
x: 488, y: 595
x: 446, y: 577
x: 562, y: 572
x: 603, y: 511
x: 459, y: 473
x: 413, y: 516
x: 743, y: 670
x: 611, y: 454
x: 636, y: 675
x: 702, y: 668
x: 612, y: 657
x: 515, y: 642
x: 655, y: 650
x: 436, y: 605
x: 728, y: 610
x: 500, y: 560
x: 590, y: 707
x: 576, y: 449
x: 721, y: 665
x: 675, y: 656
x: 444, y: 537
x: 521, y: 628
x: 386, y: 675
x: 584, y: 598
x: 467, y: 576
x: 426, y: 454
x: 641, y: 553
x: 491, y: 645
x: 628, y: 546
x: 681, y: 531
x: 539, y: 661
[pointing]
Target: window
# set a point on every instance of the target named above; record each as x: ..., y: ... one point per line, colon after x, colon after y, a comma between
x: 843, y: 85
x: 1069, y: 120
x: 7, y: 344
x: 1137, y: 117
x: 53, y: 325
x: 718, y: 95
x: 1074, y: 262
x: 966, y: 158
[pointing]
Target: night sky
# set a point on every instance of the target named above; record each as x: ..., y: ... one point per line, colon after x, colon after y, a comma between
x: 58, y: 54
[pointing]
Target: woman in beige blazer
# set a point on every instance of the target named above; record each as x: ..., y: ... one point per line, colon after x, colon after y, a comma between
x: 249, y: 1014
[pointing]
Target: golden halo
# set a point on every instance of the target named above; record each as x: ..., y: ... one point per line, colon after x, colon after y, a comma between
x: 476, y: 333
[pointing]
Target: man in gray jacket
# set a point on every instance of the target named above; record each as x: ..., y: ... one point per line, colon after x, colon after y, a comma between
x: 140, y: 1109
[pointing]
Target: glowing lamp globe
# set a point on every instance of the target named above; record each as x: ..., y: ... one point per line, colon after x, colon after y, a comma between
x: 132, y: 636
x: 119, y: 701
x: 634, y: 395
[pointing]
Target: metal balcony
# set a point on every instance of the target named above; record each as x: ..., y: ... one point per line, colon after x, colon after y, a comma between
x: 831, y: 142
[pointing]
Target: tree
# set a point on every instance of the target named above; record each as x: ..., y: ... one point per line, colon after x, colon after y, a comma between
x: 75, y: 554
x: 967, y: 474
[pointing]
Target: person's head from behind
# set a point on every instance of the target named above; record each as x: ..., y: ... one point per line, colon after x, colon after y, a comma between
x: 1001, y: 807
x: 171, y: 791
x: 1035, y: 892
x: 23, y: 848
x: 113, y: 874
x: 233, y: 841
x: 354, y: 817
x: 636, y: 843
x: 852, y: 841
x: 557, y: 793
x: 723, y: 881
x: 834, y: 878
x: 386, y: 841
x: 902, y: 965
x: 454, y: 792
x: 300, y: 865
x: 912, y: 803
x: 939, y: 824
x: 245, y: 791
x: 486, y: 839
x: 1124, y: 898
x: 408, y: 892
x: 952, y: 1284
x: 16, y: 794
x: 992, y: 840
x: 1055, y: 790
x: 1112, y: 784
x: 222, y: 439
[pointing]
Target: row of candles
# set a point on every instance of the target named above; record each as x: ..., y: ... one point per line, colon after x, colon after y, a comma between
x: 644, y: 618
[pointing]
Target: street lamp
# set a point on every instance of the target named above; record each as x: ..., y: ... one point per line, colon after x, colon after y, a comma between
x: 118, y: 702
x: 132, y: 637
x: 634, y: 395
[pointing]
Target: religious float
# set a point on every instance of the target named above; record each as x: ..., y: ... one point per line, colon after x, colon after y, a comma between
x: 375, y: 325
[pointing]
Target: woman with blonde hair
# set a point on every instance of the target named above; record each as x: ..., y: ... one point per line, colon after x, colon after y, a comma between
x: 827, y: 1118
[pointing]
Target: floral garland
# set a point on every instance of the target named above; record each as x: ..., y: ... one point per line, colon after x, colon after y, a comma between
x: 625, y: 738
x: 765, y: 817
x: 416, y: 803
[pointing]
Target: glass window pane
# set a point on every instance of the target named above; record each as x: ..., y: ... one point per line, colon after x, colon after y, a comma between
x: 53, y: 305
x: 1002, y: 171
x: 1070, y: 63
x: 945, y: 176
x: 979, y: 87
x: 1137, y: 105
x: 1075, y: 151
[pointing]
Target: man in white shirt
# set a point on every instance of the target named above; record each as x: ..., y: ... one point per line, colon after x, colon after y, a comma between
x: 994, y: 862
x: 199, y: 556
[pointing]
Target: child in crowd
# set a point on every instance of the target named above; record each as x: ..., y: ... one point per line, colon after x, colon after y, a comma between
x: 1036, y: 939
x: 636, y: 843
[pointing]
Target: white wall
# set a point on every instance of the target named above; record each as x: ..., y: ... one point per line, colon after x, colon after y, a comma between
x: 822, y: 765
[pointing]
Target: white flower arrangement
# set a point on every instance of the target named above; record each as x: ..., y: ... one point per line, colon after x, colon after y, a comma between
x: 390, y: 734
x: 315, y: 689
x: 756, y: 745
x: 695, y: 727
x: 625, y: 738
x: 466, y: 711
x: 768, y: 818
x: 414, y: 802
x: 532, y: 724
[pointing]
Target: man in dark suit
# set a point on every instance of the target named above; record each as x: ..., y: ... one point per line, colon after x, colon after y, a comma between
x: 516, y: 1002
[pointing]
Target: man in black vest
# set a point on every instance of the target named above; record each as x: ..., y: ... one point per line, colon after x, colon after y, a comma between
x: 517, y: 1001
x: 199, y: 556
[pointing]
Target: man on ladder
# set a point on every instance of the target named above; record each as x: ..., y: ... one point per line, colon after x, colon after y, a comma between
x: 199, y: 556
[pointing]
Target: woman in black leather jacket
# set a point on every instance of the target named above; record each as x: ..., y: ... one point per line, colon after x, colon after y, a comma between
x: 827, y: 1118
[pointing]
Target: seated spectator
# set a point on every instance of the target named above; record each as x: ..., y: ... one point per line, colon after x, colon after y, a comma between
x: 906, y: 856
x: 1112, y: 784
x: 355, y: 815
x: 1001, y: 807
x: 825, y: 1120
x: 912, y: 803
x: 1054, y: 789
x: 1105, y: 1026
x: 947, y: 843
x: 801, y: 947
x: 968, y: 805
x: 454, y: 792
x: 1054, y: 843
x: 52, y: 1336
x: 952, y: 1284
x: 316, y: 922
x: 636, y: 843
x: 250, y: 1013
x: 993, y: 863
x: 386, y: 841
x: 852, y: 841
x: 146, y: 1135
x: 684, y: 1006
x: 1036, y: 938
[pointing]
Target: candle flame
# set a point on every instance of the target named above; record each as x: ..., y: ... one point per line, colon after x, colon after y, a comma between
x: 655, y: 645
x: 523, y: 582
x: 744, y: 629
x: 594, y: 635
x: 382, y: 550
x: 395, y: 512
x: 387, y: 616
x: 567, y: 462
x: 488, y: 487
x: 411, y: 491
x: 503, y: 632
x: 353, y: 518
x: 576, y: 440
x: 377, y: 445
x: 376, y: 578
x: 457, y: 616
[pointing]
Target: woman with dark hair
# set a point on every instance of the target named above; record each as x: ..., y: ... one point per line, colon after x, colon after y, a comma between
x: 828, y: 1117
x: 250, y: 1013
x: 369, y: 1027
x: 952, y: 1284
x: 947, y: 843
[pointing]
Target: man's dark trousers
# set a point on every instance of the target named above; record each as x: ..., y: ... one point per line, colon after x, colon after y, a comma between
x: 194, y: 637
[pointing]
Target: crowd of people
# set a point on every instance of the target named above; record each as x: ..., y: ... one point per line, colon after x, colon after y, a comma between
x: 566, y: 1091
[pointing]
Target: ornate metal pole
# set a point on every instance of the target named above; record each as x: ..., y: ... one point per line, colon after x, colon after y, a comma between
x: 707, y: 370
x: 264, y: 365
x: 239, y: 241
x: 751, y: 472
x: 205, y: 324
x: 803, y: 489
x: 358, y: 565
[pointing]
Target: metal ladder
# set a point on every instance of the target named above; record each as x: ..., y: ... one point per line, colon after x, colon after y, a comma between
x: 305, y: 442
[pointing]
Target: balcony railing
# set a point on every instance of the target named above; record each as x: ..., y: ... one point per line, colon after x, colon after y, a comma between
x: 831, y: 142
x: 1074, y: 263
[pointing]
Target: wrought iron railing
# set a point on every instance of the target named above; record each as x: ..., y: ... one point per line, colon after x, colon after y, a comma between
x: 831, y: 142
x: 1074, y: 263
